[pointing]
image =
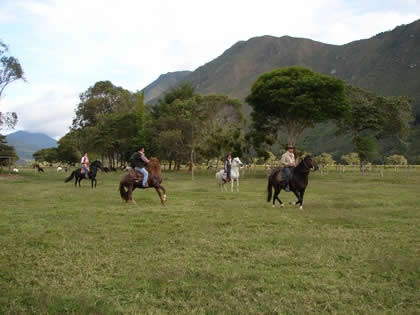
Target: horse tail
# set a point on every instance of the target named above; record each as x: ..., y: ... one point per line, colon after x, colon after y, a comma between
x: 70, y: 177
x: 269, y: 189
x: 123, y: 192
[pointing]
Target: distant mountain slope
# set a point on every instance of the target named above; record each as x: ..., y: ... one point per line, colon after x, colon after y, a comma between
x: 388, y: 63
x: 165, y: 81
x: 27, y: 143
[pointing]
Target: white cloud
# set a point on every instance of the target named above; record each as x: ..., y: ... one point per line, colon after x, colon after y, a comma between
x: 47, y: 109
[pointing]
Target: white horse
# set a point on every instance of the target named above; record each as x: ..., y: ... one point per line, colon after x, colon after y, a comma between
x: 59, y: 169
x: 15, y: 170
x: 234, y: 175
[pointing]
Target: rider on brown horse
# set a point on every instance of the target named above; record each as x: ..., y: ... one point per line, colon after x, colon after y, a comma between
x: 139, y: 162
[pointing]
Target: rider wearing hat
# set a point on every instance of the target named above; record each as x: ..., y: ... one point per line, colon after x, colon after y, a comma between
x: 288, y: 162
x: 140, y: 161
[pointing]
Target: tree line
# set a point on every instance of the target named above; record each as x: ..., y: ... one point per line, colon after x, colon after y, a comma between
x: 185, y: 127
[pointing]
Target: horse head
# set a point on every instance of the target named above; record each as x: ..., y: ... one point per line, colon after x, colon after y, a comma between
x: 237, y: 161
x: 153, y: 166
x: 310, y: 163
x: 97, y: 164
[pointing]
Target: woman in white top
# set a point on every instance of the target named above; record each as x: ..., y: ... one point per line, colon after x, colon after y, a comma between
x: 85, y: 165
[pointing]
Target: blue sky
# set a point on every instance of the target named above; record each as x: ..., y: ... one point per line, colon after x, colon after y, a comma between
x: 65, y: 46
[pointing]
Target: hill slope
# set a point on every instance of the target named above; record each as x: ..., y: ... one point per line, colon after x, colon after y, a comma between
x: 27, y: 143
x: 388, y: 63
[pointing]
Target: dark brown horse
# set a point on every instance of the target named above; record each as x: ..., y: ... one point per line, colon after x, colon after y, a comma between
x: 131, y: 182
x: 297, y: 182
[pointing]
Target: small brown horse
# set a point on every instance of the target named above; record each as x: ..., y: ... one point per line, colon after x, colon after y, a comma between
x: 131, y: 182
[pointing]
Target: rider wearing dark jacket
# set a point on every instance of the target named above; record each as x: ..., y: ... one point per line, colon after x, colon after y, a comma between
x: 139, y: 162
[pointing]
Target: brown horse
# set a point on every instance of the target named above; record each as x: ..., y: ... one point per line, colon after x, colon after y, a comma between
x: 131, y: 182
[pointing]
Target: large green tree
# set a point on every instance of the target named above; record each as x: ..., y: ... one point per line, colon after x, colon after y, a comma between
x: 290, y: 100
x: 101, y: 99
x: 49, y: 155
x: 371, y: 118
x: 6, y: 152
x: 188, y: 119
x: 10, y: 71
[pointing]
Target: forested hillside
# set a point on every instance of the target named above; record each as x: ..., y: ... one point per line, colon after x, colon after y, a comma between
x: 388, y: 64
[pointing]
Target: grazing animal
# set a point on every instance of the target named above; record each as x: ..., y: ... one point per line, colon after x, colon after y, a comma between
x: 15, y: 170
x: 59, y: 169
x: 94, y: 166
x: 298, y: 181
x: 234, y: 175
x: 130, y: 182
x: 40, y: 169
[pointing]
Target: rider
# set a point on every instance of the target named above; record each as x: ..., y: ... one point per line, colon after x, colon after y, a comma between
x: 140, y: 160
x: 228, y: 166
x: 288, y: 162
x: 85, y: 165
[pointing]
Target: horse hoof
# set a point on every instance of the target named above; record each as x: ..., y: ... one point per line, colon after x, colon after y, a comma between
x: 282, y: 205
x: 301, y: 208
x: 273, y: 206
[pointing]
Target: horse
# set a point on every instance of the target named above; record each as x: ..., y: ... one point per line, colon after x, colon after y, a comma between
x: 130, y: 182
x: 39, y: 168
x: 234, y: 175
x: 77, y: 174
x: 298, y: 181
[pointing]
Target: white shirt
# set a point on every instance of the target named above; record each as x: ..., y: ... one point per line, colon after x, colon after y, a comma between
x: 287, y: 158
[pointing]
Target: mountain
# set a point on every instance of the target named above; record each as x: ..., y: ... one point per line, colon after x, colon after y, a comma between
x: 388, y: 63
x: 162, y: 84
x: 27, y: 143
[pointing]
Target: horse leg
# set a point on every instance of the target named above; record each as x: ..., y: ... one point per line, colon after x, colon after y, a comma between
x: 231, y: 184
x: 161, y: 196
x: 302, y: 192
x: 298, y: 201
x: 277, y: 190
x: 237, y: 184
x: 130, y: 194
x: 164, y: 192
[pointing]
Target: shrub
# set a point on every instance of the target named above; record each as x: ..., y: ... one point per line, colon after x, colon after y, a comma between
x: 351, y: 159
x: 396, y: 160
x: 325, y: 159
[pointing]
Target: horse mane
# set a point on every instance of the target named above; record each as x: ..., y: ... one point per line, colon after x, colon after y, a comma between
x: 153, y: 167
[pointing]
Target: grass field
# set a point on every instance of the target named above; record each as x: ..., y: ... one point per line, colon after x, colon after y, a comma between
x: 353, y: 249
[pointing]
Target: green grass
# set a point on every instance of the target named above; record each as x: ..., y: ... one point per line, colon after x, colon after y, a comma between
x: 353, y: 249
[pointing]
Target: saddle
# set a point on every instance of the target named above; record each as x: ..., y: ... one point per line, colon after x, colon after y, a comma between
x: 280, y: 175
x: 138, y: 178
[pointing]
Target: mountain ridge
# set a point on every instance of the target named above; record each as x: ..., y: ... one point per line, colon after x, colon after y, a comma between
x: 27, y: 143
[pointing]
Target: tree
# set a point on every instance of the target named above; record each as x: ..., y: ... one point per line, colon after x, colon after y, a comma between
x: 67, y: 151
x: 101, y: 99
x: 191, y: 118
x: 10, y: 71
x: 372, y: 118
x: 291, y: 100
x: 49, y: 155
x: 6, y: 151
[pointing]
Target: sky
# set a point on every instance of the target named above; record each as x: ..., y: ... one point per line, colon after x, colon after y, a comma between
x: 65, y: 47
